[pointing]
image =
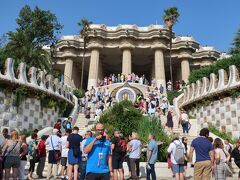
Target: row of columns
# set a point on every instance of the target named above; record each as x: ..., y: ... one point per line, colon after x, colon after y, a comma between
x: 95, y: 69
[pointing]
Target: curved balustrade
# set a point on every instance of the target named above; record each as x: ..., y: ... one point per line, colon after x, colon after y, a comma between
x: 205, y: 88
x: 39, y: 81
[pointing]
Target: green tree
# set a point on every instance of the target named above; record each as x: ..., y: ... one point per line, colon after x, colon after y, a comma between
x: 170, y: 17
x: 84, y: 32
x: 35, y: 29
x: 236, y: 43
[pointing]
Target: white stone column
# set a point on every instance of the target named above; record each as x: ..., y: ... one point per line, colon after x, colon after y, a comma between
x: 159, y: 68
x: 185, y: 68
x: 93, y: 69
x: 126, y: 61
x: 68, y: 71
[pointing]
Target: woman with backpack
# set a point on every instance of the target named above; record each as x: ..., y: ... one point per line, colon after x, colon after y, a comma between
x: 177, y: 153
x: 33, y: 155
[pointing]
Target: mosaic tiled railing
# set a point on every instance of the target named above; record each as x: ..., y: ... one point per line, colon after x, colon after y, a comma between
x: 38, y: 80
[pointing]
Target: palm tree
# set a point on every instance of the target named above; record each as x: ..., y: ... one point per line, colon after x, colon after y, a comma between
x: 84, y: 32
x: 170, y: 17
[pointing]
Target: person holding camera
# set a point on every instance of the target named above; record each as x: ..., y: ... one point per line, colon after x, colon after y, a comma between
x: 98, y: 148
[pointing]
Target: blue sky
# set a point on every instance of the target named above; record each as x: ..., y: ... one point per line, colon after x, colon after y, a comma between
x: 210, y: 22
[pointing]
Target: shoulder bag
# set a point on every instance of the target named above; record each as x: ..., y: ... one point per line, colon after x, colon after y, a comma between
x: 228, y: 170
x: 57, y: 154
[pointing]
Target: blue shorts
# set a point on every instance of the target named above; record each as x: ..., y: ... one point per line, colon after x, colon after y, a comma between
x: 177, y: 168
x: 72, y: 160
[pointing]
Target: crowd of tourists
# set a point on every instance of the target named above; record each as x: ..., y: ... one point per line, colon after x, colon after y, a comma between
x: 209, y: 157
x: 95, y: 156
x: 120, y: 78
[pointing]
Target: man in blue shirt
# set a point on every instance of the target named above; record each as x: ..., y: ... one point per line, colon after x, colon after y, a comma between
x: 152, y: 152
x: 204, y: 155
x: 98, y: 148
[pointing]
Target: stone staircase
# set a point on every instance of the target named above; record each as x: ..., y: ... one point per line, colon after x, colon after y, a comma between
x: 84, y: 124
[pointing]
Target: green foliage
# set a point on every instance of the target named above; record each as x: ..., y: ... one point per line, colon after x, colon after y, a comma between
x: 20, y: 94
x: 85, y: 27
x: 236, y: 43
x: 153, y: 125
x: 171, y: 14
x: 35, y: 28
x: 220, y: 64
x: 124, y: 117
x: 220, y: 134
x: 172, y: 94
x: 79, y: 93
x: 26, y: 133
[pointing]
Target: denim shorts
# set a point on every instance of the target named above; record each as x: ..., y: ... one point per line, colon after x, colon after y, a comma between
x: 177, y: 168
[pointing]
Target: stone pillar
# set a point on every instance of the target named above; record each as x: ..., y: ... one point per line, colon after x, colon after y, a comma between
x: 185, y: 70
x: 159, y: 68
x: 126, y: 61
x: 93, y: 68
x: 68, y: 71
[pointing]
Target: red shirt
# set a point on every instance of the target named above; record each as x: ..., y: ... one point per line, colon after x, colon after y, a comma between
x: 57, y: 126
x: 42, y: 149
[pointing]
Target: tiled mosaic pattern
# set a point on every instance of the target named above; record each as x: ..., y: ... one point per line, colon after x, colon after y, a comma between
x: 28, y: 116
x: 224, y: 114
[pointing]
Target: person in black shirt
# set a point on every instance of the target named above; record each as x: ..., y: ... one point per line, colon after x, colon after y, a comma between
x: 117, y: 156
x: 236, y: 155
x: 74, y: 154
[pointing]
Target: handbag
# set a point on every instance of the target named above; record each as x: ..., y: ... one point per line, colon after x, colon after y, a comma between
x: 228, y: 170
x: 57, y: 154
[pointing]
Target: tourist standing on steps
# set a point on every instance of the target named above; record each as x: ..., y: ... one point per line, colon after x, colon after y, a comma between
x: 236, y: 156
x: 221, y: 157
x: 135, y: 152
x: 54, y: 143
x: 64, y: 153
x: 98, y: 148
x: 169, y: 123
x: 184, y: 121
x: 74, y: 153
x: 204, y: 155
x: 23, y: 157
x: 2, y: 143
x: 5, y: 133
x: 117, y: 156
x: 152, y: 152
x: 177, y: 154
x: 12, y: 160
x: 184, y: 141
x: 42, y: 156
x: 228, y: 147
x: 32, y: 151
x: 88, y: 134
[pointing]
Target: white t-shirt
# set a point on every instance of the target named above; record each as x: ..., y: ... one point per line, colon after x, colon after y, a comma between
x: 172, y: 148
x: 184, y: 116
x: 64, y: 148
x: 54, y: 142
x: 136, y: 149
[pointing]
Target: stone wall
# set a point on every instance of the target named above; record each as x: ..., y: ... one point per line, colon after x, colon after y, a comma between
x: 223, y: 114
x: 223, y: 111
x: 28, y: 116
